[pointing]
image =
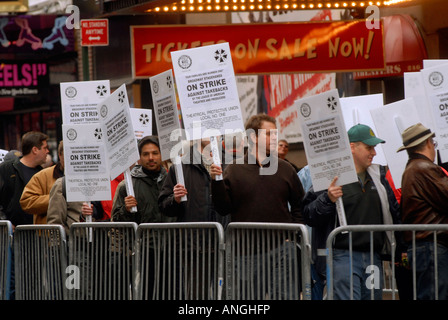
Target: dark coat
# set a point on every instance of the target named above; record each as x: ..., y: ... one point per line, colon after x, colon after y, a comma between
x: 12, y: 184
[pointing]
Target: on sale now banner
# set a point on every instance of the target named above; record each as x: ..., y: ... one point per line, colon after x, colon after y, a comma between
x: 328, y: 46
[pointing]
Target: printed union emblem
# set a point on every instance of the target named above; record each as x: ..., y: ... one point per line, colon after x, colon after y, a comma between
x: 144, y: 119
x: 332, y: 103
x: 305, y: 110
x: 184, y: 62
x: 71, y: 134
x: 221, y: 55
x: 101, y: 90
x: 436, y: 78
x: 103, y: 111
x: 155, y: 87
x: 169, y: 82
x: 98, y: 134
x: 70, y: 92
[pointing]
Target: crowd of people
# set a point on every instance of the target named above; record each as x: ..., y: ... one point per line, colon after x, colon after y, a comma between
x: 31, y: 194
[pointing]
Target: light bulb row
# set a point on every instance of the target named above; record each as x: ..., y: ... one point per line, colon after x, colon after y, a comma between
x: 256, y: 5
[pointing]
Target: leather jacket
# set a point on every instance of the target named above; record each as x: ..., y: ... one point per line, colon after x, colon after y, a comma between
x: 424, y: 197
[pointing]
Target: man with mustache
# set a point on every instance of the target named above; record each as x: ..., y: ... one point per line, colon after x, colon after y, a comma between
x: 147, y: 180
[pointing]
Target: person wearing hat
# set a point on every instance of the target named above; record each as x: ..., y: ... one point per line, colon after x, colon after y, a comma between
x: 369, y: 201
x: 424, y: 200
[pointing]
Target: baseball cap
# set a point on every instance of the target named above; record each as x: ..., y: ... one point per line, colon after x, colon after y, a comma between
x: 363, y: 133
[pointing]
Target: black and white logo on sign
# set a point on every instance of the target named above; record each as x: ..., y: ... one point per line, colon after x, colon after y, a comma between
x: 71, y: 134
x: 305, y: 110
x: 70, y: 92
x: 98, y: 134
x: 155, y: 86
x: 332, y: 103
x: 184, y: 61
x: 121, y: 96
x: 103, y: 111
x: 435, y: 78
x: 221, y: 55
x: 169, y: 82
x: 143, y: 118
x: 101, y: 90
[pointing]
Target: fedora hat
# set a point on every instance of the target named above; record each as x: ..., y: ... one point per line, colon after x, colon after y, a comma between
x: 414, y: 135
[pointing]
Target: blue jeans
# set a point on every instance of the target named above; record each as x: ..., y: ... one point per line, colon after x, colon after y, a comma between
x: 363, y: 279
x: 425, y: 271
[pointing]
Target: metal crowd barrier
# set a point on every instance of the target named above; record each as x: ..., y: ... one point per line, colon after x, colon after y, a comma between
x: 5, y: 258
x: 391, y: 272
x: 40, y: 261
x: 102, y: 255
x: 179, y: 261
x: 267, y: 261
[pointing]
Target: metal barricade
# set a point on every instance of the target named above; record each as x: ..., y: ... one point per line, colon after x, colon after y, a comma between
x: 40, y: 260
x: 6, y: 259
x: 102, y: 254
x: 179, y: 261
x: 391, y: 272
x: 267, y: 261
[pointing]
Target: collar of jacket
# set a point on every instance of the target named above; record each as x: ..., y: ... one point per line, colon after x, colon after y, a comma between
x: 137, y: 172
x: 416, y: 156
x: 250, y: 159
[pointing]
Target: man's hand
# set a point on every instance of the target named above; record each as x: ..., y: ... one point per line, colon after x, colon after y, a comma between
x: 129, y: 202
x: 334, y: 191
x: 179, y: 191
x: 86, y: 209
x: 215, y: 170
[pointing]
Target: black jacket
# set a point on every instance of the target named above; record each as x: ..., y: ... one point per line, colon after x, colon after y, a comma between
x: 199, y: 205
x: 11, y: 187
x: 320, y: 213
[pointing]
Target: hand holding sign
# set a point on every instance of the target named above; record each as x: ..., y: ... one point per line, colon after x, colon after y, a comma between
x: 215, y: 171
x: 129, y: 188
x: 334, y: 191
x: 215, y: 153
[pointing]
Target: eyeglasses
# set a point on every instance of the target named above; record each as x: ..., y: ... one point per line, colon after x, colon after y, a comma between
x: 435, y: 144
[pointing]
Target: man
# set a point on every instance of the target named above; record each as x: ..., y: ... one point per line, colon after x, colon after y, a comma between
x: 262, y: 189
x: 283, y: 149
x: 147, y: 180
x: 367, y: 201
x: 15, y: 174
x: 66, y: 213
x: 198, y: 207
x: 36, y: 195
x: 424, y: 200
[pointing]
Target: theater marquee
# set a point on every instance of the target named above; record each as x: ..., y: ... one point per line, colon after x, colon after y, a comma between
x: 331, y: 46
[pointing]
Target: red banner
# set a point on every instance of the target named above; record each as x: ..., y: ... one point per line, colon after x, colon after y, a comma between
x: 267, y: 48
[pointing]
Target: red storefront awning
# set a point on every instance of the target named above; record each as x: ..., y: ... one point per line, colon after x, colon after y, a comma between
x: 404, y: 48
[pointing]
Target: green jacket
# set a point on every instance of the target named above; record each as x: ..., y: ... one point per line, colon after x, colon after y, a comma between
x: 146, y: 191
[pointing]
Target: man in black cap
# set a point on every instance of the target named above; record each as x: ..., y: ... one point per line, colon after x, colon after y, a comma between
x: 370, y: 201
x: 424, y: 200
